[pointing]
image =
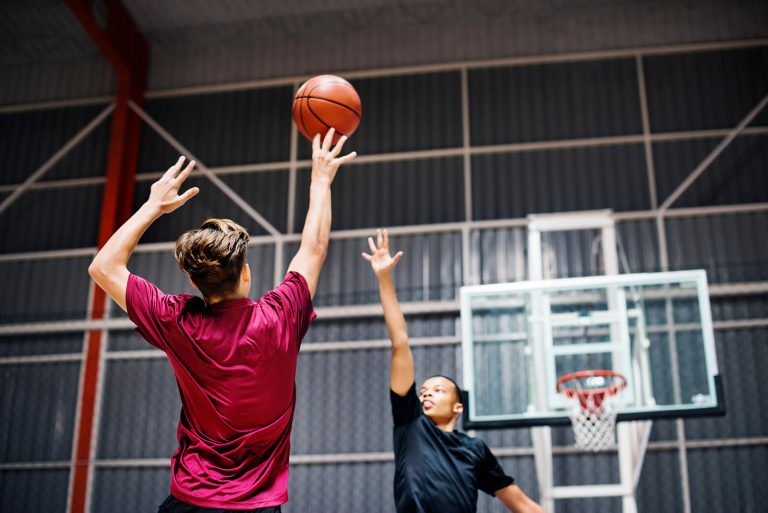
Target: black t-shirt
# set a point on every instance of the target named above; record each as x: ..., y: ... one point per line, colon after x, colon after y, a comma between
x: 436, y: 471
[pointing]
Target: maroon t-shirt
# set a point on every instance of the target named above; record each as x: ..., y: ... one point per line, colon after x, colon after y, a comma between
x: 235, y: 364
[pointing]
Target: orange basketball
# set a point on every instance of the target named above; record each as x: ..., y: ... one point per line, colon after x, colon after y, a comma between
x: 323, y: 102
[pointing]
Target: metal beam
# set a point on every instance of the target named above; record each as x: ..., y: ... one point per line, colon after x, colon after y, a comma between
x: 374, y: 310
x: 119, y: 40
x: 423, y: 154
x: 382, y: 457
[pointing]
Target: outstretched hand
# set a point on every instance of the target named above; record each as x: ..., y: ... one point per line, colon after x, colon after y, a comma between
x: 326, y: 160
x: 380, y: 259
x: 164, y: 193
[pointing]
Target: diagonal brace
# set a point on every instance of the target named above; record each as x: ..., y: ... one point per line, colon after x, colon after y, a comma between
x: 218, y: 182
x: 63, y: 151
x: 712, y: 156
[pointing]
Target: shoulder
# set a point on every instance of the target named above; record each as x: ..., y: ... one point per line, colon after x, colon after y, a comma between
x: 293, y: 290
x: 296, y: 281
x: 476, y: 445
x: 405, y: 408
x: 297, y: 278
x: 465, y: 439
x: 142, y: 293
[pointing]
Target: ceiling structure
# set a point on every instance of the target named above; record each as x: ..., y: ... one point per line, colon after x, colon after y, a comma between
x: 203, y: 42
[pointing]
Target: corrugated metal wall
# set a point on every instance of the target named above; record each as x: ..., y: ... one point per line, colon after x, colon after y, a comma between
x: 536, y: 144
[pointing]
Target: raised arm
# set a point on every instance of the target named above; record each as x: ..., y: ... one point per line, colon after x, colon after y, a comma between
x: 516, y: 501
x: 109, y: 268
x: 382, y: 263
x: 317, y: 226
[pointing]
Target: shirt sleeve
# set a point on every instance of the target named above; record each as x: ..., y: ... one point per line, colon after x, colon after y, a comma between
x: 291, y: 303
x: 149, y: 308
x: 407, y: 408
x: 490, y: 475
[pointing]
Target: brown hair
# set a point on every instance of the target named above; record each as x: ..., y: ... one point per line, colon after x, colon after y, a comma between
x: 213, y: 256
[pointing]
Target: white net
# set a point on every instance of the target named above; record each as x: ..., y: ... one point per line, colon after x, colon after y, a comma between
x: 594, y: 422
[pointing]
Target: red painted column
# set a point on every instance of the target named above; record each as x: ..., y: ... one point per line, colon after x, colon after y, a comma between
x: 123, y: 45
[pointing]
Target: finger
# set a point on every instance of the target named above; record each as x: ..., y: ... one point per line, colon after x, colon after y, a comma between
x: 366, y: 257
x: 339, y: 144
x: 371, y: 245
x: 397, y: 258
x: 328, y: 139
x: 174, y: 168
x: 185, y: 173
x: 316, y: 142
x: 386, y: 238
x: 379, y: 238
x: 189, y: 194
x: 346, y: 158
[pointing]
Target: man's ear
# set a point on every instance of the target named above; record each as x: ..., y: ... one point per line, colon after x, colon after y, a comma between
x: 458, y: 408
x: 245, y: 273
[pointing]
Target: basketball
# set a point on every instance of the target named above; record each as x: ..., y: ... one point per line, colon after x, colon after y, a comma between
x: 324, y: 102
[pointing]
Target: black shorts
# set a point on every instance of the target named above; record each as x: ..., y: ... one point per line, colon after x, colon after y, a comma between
x: 173, y: 505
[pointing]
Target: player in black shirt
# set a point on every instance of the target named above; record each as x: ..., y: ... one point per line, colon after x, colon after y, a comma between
x: 437, y: 469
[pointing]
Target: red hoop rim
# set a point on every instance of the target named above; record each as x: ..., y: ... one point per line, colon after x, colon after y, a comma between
x: 597, y: 393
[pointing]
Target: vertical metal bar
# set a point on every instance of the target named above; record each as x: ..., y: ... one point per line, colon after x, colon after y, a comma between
x: 541, y: 436
x: 278, y: 270
x: 98, y: 401
x: 683, y: 459
x: 610, y: 252
x: 645, y: 435
x: 122, y: 44
x: 78, y: 406
x: 621, y: 360
x: 465, y: 131
x: 677, y: 397
x: 626, y: 468
x: 650, y: 168
x: 661, y: 232
x: 466, y: 267
x: 682, y: 455
x: 293, y: 159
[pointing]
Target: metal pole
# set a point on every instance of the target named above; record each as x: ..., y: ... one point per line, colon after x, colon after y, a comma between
x: 290, y: 214
x: 647, y: 143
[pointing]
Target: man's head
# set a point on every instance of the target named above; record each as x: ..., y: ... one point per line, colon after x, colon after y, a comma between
x: 440, y: 398
x: 213, y: 256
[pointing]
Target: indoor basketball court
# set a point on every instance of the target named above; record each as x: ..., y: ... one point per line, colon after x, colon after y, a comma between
x: 579, y: 191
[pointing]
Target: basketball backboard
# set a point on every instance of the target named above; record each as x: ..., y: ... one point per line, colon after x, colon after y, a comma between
x: 653, y: 328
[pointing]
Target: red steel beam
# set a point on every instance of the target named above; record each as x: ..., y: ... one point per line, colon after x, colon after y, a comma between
x: 118, y: 38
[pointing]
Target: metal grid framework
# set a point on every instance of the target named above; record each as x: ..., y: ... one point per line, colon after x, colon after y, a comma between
x: 466, y: 231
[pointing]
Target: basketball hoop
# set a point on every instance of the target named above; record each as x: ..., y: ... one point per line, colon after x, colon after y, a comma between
x: 593, y: 411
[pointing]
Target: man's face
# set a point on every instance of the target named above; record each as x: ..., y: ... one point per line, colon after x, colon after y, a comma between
x: 438, y: 399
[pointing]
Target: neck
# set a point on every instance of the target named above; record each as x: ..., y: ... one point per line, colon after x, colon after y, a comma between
x: 446, y: 425
x: 215, y: 299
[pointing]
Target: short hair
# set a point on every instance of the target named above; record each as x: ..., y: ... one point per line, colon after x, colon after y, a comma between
x: 455, y: 385
x: 213, y: 256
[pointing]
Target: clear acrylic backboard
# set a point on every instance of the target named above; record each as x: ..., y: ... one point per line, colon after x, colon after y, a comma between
x: 655, y: 329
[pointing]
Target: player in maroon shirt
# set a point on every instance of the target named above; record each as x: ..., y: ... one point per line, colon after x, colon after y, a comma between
x: 234, y: 358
